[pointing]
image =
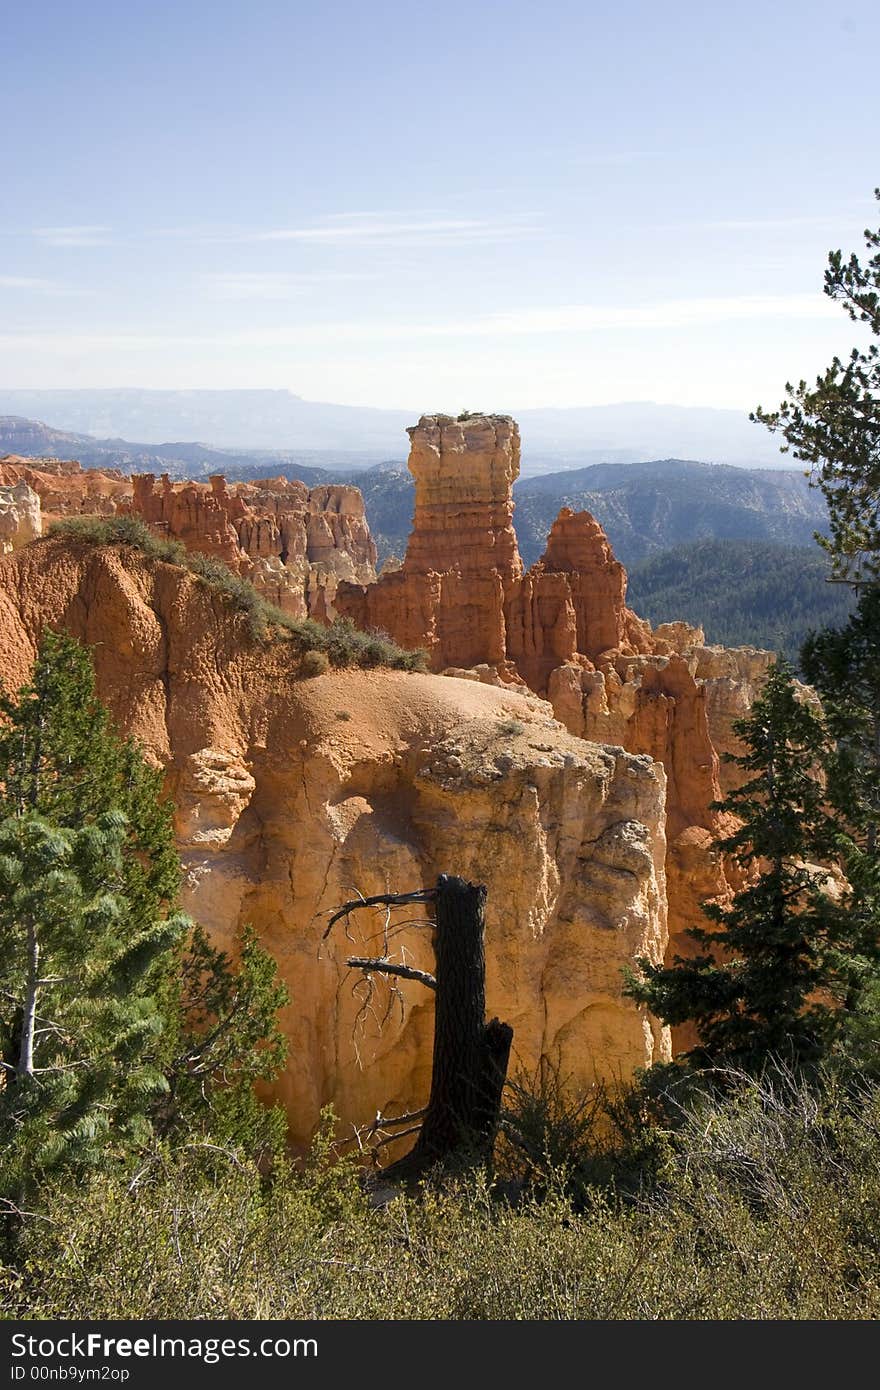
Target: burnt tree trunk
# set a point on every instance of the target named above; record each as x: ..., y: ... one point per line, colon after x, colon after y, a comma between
x: 470, y: 1055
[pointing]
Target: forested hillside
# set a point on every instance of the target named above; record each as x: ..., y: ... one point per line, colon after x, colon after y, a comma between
x: 756, y: 593
x: 646, y: 507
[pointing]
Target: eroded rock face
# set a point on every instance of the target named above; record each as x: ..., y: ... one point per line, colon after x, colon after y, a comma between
x: 293, y: 793
x: 461, y: 592
x: 20, y: 516
x: 564, y: 629
x: 462, y: 559
x: 66, y: 489
x: 293, y: 543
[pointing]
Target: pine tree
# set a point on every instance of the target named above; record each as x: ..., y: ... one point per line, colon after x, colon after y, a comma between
x: 783, y: 955
x: 835, y: 424
x: 226, y: 1040
x: 88, y: 878
x: 111, y: 1001
x: 843, y: 664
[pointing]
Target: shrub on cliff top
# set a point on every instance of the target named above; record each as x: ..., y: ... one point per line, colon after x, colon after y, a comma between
x: 342, y: 643
x: 120, y: 530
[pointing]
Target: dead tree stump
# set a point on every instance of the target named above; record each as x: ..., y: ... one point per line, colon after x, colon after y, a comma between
x: 470, y: 1055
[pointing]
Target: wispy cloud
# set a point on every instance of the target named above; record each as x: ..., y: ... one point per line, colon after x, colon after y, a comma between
x: 269, y: 285
x: 90, y: 235
x: 571, y: 318
x: 755, y: 224
x: 396, y: 231
x: 367, y: 229
x: 34, y: 284
x: 670, y: 313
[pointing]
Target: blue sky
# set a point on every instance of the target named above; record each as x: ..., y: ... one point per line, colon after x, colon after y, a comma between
x: 485, y: 205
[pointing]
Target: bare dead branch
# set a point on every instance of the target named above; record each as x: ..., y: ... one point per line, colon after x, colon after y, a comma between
x: 420, y: 895
x: 385, y: 1121
x: 393, y: 1138
x: 389, y: 967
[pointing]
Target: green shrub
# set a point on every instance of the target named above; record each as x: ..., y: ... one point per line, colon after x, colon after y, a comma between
x: 511, y: 726
x: 769, y: 1209
x: 610, y: 1138
x: 120, y: 530
x: 342, y: 643
x: 314, y: 663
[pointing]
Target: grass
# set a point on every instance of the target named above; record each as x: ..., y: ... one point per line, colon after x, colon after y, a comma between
x: 511, y: 726
x: 341, y: 644
x: 766, y: 1206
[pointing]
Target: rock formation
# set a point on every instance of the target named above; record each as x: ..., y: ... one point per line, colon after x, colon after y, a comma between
x: 291, y: 792
x: 293, y: 543
x: 20, y: 516
x: 563, y: 629
x: 66, y: 489
x: 461, y: 592
x: 462, y: 559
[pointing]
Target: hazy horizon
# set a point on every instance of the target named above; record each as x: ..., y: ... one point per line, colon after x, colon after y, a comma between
x: 278, y: 420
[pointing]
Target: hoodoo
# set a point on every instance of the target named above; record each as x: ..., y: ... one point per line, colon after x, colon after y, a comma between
x: 462, y: 561
x: 563, y: 630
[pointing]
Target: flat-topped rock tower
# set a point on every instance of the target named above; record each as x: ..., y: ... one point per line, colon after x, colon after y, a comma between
x: 461, y: 591
x: 464, y: 470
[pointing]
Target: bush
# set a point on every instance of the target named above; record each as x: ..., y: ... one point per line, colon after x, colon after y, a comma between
x: 511, y: 726
x: 342, y: 644
x: 314, y: 663
x: 120, y: 530
x: 769, y: 1209
x: 612, y: 1138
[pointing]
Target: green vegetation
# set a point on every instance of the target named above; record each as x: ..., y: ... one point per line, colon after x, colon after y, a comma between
x: 511, y: 726
x: 743, y: 593
x: 765, y: 1206
x: 835, y: 424
x: 342, y: 643
x: 119, y: 1024
x: 787, y: 960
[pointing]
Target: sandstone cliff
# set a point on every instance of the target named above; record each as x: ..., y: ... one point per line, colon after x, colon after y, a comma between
x: 66, y: 489
x: 461, y: 591
x: 292, y: 793
x: 293, y: 543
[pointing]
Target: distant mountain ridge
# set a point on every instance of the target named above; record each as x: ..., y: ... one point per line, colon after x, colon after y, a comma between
x: 648, y: 507
x: 644, y: 507
x: 274, y: 420
x: 31, y: 438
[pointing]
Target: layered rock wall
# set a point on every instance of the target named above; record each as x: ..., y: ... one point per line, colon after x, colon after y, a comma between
x: 66, y: 489
x: 461, y: 591
x: 462, y: 559
x: 293, y: 543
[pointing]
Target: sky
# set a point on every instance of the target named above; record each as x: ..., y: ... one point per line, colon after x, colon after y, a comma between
x: 486, y: 205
